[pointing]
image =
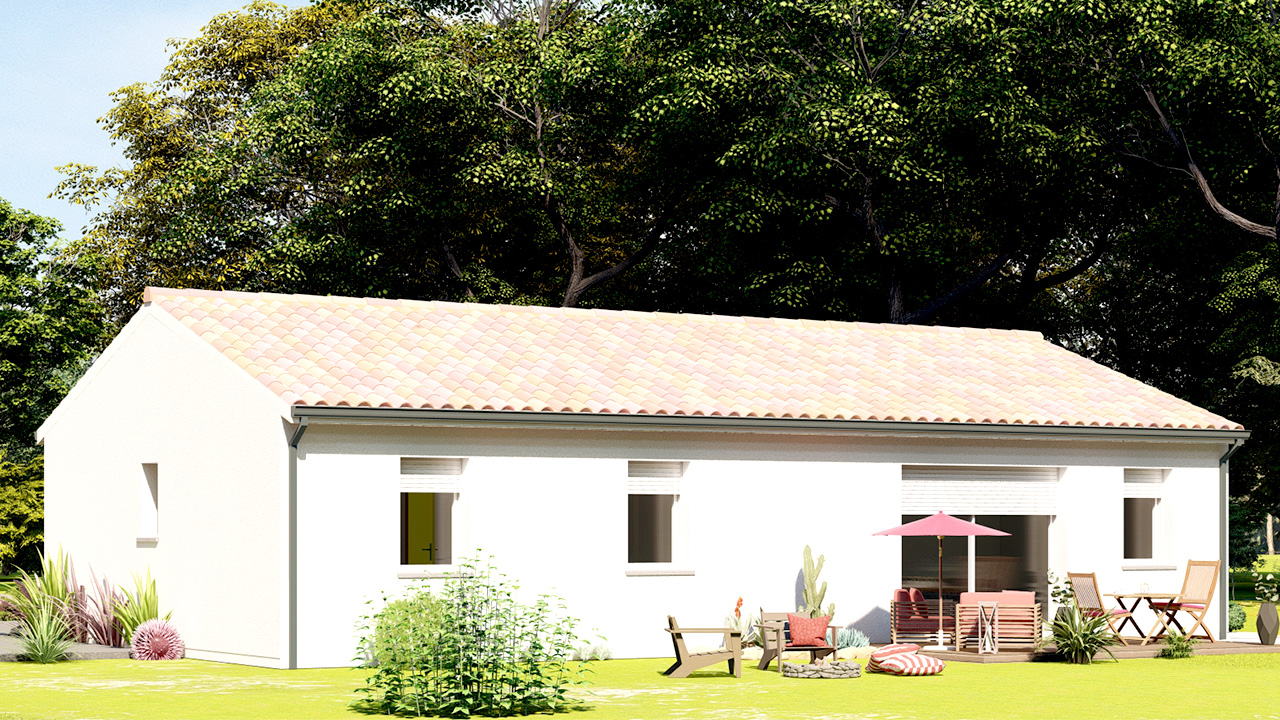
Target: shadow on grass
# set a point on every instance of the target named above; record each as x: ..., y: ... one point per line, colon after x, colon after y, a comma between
x: 368, y: 707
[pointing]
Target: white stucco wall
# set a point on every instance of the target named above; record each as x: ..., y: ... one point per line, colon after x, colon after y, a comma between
x: 159, y: 395
x: 551, y: 506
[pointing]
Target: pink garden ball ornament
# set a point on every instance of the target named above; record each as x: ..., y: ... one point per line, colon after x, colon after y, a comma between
x: 157, y: 640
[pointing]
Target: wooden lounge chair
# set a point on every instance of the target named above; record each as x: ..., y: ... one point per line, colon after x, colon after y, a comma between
x: 686, y: 662
x: 1197, y: 593
x: 773, y: 640
x: 1018, y: 619
x: 1089, y: 600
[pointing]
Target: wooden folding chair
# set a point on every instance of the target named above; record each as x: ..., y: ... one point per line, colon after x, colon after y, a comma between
x: 686, y: 662
x: 1085, y: 587
x: 1194, y: 600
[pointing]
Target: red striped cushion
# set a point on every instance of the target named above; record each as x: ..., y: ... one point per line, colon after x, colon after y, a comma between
x: 889, y: 651
x: 912, y: 665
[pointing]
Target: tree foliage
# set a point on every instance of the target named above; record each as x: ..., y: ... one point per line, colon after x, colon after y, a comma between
x: 1102, y: 172
x: 49, y: 328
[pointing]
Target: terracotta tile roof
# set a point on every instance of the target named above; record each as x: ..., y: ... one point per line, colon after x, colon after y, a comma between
x: 324, y: 351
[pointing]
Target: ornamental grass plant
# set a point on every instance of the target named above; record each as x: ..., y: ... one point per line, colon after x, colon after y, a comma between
x: 43, y: 632
x: 1079, y: 636
x: 471, y: 650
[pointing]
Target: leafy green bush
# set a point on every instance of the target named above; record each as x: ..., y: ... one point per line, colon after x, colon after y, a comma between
x: 1235, y: 616
x: 471, y: 650
x: 43, y: 633
x: 1177, y: 646
x: 1079, y: 636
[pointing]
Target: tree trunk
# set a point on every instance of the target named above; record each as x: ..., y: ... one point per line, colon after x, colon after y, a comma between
x: 1271, y: 534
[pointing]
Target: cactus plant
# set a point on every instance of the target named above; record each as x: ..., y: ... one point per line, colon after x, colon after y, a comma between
x: 814, y: 595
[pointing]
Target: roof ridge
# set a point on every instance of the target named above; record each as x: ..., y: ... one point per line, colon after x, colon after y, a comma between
x: 151, y: 293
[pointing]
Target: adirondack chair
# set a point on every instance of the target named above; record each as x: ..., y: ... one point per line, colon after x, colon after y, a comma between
x: 686, y: 662
x: 774, y: 641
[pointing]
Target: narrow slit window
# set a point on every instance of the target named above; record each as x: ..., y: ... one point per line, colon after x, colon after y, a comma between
x: 149, y: 502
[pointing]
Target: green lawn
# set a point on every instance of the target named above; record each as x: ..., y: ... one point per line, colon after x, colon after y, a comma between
x: 1242, y: 582
x: 1233, y: 686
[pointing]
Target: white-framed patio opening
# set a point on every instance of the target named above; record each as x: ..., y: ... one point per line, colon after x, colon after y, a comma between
x: 657, y: 519
x: 432, y: 502
x: 1021, y: 500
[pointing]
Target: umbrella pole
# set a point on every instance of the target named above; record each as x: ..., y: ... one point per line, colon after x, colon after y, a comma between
x: 942, y: 639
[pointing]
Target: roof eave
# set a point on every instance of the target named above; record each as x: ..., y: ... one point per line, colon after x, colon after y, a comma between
x: 716, y: 423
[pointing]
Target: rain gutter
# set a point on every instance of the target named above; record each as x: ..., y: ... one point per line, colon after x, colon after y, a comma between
x: 291, y: 548
x: 713, y: 423
x: 1224, y: 534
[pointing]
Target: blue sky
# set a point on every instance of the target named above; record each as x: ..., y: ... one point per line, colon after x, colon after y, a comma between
x: 59, y: 61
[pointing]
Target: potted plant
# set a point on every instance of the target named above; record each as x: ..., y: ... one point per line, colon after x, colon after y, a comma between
x: 1265, y: 589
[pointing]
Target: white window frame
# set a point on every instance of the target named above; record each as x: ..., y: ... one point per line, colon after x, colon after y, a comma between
x: 442, y: 476
x: 1149, y: 483
x: 661, y: 477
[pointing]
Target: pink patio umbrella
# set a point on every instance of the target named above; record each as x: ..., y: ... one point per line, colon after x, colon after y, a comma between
x: 941, y: 525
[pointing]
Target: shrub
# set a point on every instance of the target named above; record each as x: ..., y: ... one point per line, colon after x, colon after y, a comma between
x: 87, y: 617
x: 1177, y: 646
x: 43, y: 633
x: 157, y: 640
x: 472, y: 650
x: 139, y: 606
x: 1235, y: 616
x: 593, y: 651
x: 1079, y: 636
x: 1265, y: 588
x: 851, y: 638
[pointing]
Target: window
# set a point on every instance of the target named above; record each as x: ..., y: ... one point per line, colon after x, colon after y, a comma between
x: 1143, y: 489
x: 149, y: 502
x: 1139, y: 528
x: 653, y: 493
x: 428, y: 498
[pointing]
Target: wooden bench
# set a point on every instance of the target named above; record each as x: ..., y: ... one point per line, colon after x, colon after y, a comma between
x: 916, y: 620
x: 1018, y: 621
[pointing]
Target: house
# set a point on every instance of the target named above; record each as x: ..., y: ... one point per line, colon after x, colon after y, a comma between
x: 279, y: 461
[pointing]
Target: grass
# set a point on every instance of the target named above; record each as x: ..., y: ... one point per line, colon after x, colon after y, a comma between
x: 1221, y: 686
x: 1242, y: 587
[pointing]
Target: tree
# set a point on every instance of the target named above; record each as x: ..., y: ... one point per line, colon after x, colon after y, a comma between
x: 198, y: 100
x: 917, y: 166
x: 49, y: 329
x: 21, y: 514
x: 507, y: 151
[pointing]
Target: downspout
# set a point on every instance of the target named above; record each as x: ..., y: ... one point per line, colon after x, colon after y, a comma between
x: 1224, y: 535
x: 291, y: 652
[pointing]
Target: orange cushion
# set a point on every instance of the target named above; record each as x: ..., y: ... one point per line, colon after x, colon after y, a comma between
x: 806, y: 631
